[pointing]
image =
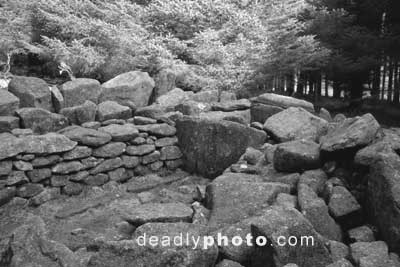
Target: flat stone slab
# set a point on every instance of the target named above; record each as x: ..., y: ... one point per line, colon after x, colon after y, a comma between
x: 47, y: 144
x: 162, y: 129
x: 107, y: 165
x: 110, y: 150
x: 121, y: 133
x: 144, y: 183
x: 10, y: 146
x: 233, y: 105
x: 283, y: 101
x: 158, y: 212
x: 85, y: 136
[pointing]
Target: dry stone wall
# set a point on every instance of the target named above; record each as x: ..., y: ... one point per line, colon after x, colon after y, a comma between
x: 39, y: 167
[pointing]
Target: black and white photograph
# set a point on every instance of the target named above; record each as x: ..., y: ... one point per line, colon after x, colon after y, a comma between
x: 199, y: 133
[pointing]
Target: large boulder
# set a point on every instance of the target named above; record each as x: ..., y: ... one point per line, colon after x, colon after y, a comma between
x: 80, y: 114
x: 9, y: 103
x: 371, y: 254
x: 32, y: 92
x: 316, y: 211
x: 41, y: 120
x: 232, y: 199
x: 283, y: 101
x: 210, y: 146
x: 351, y: 133
x: 277, y: 222
x: 76, y: 92
x: 30, y: 246
x: 344, y: 207
x: 129, y: 88
x: 295, y: 123
x: 261, y: 112
x: 296, y: 156
x: 383, y: 146
x: 384, y: 198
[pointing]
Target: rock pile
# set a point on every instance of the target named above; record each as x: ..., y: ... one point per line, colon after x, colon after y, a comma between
x: 91, y: 170
x: 341, y: 180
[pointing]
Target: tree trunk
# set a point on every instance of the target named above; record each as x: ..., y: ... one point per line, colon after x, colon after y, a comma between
x: 318, y: 90
x: 300, y: 84
x: 336, y: 89
x: 376, y: 82
x: 290, y: 84
x: 396, y: 84
x: 390, y: 85
x: 326, y: 86
x: 383, y: 89
x: 311, y: 84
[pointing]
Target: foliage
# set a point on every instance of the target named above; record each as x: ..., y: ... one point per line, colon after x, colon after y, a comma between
x: 234, y: 44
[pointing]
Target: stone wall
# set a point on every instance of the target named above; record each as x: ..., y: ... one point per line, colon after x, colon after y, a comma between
x: 39, y: 167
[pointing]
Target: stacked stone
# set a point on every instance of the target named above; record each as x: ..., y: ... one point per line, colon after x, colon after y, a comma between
x: 40, y: 167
